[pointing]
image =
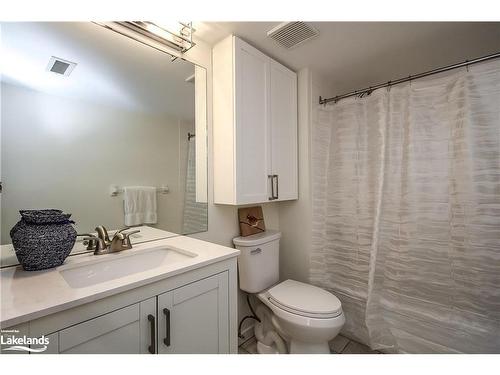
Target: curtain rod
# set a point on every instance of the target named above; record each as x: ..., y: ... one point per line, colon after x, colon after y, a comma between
x: 369, y: 90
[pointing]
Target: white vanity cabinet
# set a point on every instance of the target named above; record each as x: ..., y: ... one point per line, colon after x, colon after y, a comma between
x: 192, y: 312
x: 190, y: 319
x: 255, y: 126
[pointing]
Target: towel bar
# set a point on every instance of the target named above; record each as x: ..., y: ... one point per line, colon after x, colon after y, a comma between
x: 114, y: 190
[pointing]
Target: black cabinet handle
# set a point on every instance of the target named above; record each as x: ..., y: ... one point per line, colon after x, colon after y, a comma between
x: 151, y: 347
x: 166, y: 340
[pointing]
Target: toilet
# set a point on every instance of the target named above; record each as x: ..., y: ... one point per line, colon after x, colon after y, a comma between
x: 297, y: 317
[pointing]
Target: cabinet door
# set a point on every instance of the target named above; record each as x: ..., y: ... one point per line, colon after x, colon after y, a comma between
x: 129, y: 330
x: 283, y: 104
x: 195, y: 318
x: 253, y: 159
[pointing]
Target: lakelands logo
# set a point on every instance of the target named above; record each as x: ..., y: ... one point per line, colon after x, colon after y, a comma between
x: 22, y: 343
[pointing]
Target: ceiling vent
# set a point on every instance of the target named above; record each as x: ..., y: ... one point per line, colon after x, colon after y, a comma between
x: 60, y: 66
x: 291, y: 34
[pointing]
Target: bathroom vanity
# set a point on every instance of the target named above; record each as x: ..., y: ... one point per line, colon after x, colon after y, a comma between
x: 175, y: 295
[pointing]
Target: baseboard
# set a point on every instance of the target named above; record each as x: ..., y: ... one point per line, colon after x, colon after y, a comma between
x: 247, y: 333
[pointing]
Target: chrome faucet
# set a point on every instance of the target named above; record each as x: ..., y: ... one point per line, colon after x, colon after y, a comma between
x: 101, y: 244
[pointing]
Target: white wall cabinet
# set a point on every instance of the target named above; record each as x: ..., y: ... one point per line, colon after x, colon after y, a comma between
x: 255, y: 126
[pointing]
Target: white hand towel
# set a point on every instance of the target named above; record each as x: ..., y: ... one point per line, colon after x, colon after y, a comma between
x: 139, y: 205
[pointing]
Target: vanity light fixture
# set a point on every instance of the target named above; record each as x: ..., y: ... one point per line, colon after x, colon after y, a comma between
x: 176, y: 35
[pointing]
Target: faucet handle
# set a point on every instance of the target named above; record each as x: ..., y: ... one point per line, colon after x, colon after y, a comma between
x: 95, y: 243
x: 121, y: 241
x: 89, y: 240
x: 128, y: 234
x: 126, y: 238
x: 121, y: 230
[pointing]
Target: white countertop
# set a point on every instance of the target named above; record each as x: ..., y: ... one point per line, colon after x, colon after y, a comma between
x: 28, y: 295
x: 147, y: 233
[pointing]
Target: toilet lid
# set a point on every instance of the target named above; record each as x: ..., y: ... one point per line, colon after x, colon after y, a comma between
x: 304, y: 299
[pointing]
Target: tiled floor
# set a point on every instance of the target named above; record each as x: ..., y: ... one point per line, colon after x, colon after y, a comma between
x: 339, y: 345
x: 343, y: 345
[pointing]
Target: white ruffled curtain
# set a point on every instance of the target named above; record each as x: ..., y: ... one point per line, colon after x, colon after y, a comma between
x: 194, y: 218
x: 406, y: 212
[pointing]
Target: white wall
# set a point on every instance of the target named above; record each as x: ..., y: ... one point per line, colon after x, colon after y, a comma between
x: 64, y: 153
x: 295, y: 217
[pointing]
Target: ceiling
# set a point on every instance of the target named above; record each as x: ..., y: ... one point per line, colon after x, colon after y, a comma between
x: 112, y: 69
x: 353, y: 55
x: 346, y: 55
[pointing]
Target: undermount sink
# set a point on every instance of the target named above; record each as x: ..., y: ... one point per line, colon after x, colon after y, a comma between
x: 121, y: 264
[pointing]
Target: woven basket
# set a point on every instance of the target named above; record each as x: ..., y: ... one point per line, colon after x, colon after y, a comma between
x: 43, y: 238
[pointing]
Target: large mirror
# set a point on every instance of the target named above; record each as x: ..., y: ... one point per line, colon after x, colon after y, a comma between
x: 87, y: 113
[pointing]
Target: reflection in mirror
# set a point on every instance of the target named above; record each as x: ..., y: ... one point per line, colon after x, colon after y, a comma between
x: 88, y: 114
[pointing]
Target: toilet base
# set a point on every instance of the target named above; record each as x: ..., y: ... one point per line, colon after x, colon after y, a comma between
x: 268, y: 340
x: 266, y: 349
x: 298, y: 347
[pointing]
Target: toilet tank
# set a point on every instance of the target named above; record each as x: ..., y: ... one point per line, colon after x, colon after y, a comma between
x: 258, y: 262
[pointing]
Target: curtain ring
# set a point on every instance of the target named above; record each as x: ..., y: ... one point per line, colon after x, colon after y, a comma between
x: 467, y: 66
x: 389, y: 85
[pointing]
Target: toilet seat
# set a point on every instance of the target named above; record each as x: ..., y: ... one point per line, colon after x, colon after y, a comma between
x: 304, y: 300
x: 303, y: 313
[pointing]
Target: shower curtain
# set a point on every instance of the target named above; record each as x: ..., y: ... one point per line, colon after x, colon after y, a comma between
x: 406, y: 212
x: 194, y: 217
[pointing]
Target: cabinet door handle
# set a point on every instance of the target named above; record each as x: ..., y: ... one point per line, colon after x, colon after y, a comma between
x: 271, y: 178
x: 166, y: 340
x: 277, y: 186
x: 151, y: 347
